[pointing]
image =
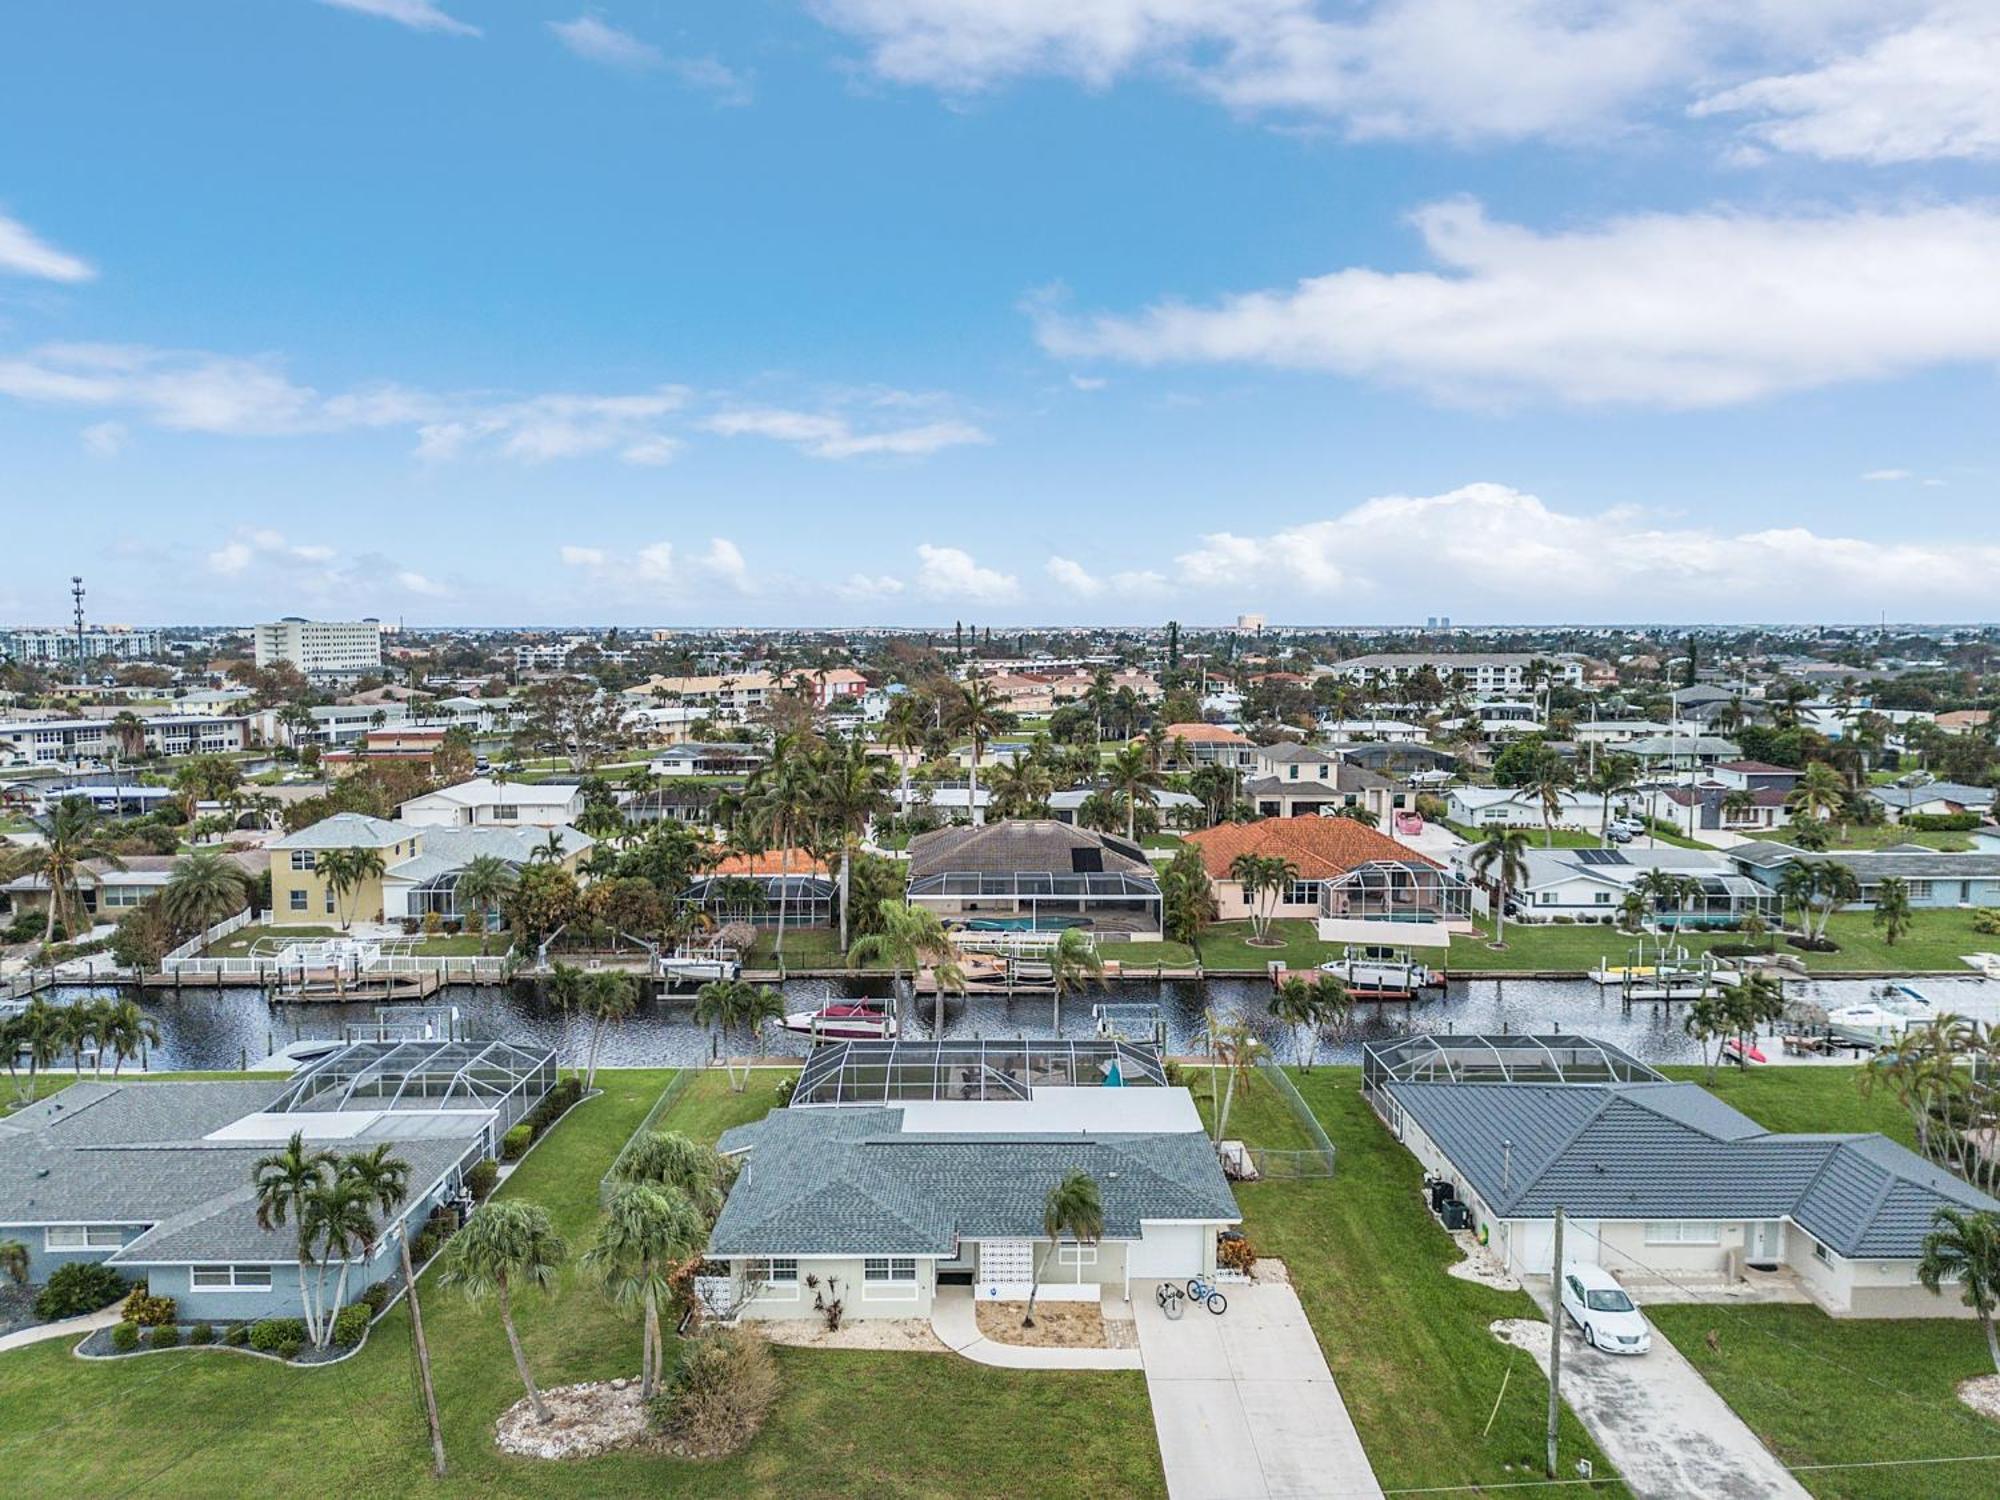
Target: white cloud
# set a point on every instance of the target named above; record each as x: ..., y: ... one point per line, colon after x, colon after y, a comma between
x: 827, y: 435
x: 1074, y: 578
x: 595, y: 41
x: 559, y: 425
x: 950, y: 573
x: 418, y: 583
x: 655, y: 562
x: 583, y: 557
x: 230, y: 558
x: 1089, y: 382
x: 655, y: 565
x: 1879, y: 476
x: 106, y: 438
x: 864, y: 586
x: 1503, y: 551
x: 23, y: 253
x: 652, y: 452
x: 1684, y: 310
x: 724, y: 562
x: 1922, y: 92
x: 713, y: 77
x: 418, y: 15
x: 1464, y: 70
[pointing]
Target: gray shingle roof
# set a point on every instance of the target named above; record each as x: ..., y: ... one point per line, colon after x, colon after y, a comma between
x: 1675, y: 1151
x: 1933, y: 791
x: 1018, y: 844
x: 849, y: 1182
x: 346, y: 830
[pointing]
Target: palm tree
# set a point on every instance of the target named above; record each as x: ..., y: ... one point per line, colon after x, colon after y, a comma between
x: 126, y: 1032
x: 39, y: 1031
x: 780, y: 804
x: 1752, y: 1001
x: 483, y: 887
x: 204, y: 887
x: 1892, y: 908
x: 507, y: 1242
x: 1502, y: 856
x: 1821, y: 793
x: 1233, y: 1049
x: 130, y: 731
x: 727, y: 1004
x: 1707, y: 1020
x: 905, y: 732
x: 337, y: 1220
x: 1306, y: 1005
x: 852, y: 791
x: 1263, y: 877
x: 1612, y: 777
x: 1550, y: 783
x: 81, y: 1027
x: 976, y: 713
x: 667, y: 1159
x: 71, y: 833
x: 550, y: 850
x: 1021, y: 790
x: 1964, y: 1248
x: 285, y: 1183
x: 648, y: 1231
x: 1074, y: 1210
x: 1073, y: 963
x: 608, y: 998
x: 345, y: 872
x: 1738, y: 804
x: 910, y: 938
x: 1134, y: 780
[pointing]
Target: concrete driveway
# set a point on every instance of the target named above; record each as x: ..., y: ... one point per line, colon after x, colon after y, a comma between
x: 1244, y: 1405
x: 1661, y: 1425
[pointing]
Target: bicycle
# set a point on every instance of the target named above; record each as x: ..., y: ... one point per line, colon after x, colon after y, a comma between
x: 1205, y: 1293
x: 1170, y: 1298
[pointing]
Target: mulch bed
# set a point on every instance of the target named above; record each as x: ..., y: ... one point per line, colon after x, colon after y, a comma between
x: 1058, y: 1325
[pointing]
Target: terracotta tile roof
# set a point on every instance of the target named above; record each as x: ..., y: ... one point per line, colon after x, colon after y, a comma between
x: 768, y: 863
x: 1320, y: 847
x: 1199, y: 733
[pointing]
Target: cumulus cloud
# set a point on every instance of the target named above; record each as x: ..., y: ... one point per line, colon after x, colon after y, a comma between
x: 1882, y: 476
x: 1462, y: 70
x: 583, y: 557
x: 1513, y: 554
x: 595, y: 41
x: 1918, y: 93
x: 1073, y: 578
x: 418, y: 15
x: 260, y: 556
x: 418, y: 583
x: 24, y: 253
x: 656, y: 563
x: 831, y: 435
x: 724, y: 562
x: 865, y: 586
x: 558, y: 425
x: 1683, y: 310
x: 951, y: 573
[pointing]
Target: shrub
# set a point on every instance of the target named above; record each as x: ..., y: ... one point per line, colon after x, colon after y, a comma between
x: 350, y: 1323
x: 166, y: 1336
x: 149, y: 1311
x: 202, y: 1333
x: 514, y: 1144
x: 377, y: 1296
x: 1235, y: 1254
x: 78, y: 1288
x: 125, y: 1337
x: 1963, y: 822
x: 237, y: 1336
x: 283, y: 1337
x: 425, y: 1245
x: 1986, y: 921
x: 717, y: 1399
x: 480, y: 1179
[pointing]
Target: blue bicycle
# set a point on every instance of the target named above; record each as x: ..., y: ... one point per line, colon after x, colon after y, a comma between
x: 1205, y: 1293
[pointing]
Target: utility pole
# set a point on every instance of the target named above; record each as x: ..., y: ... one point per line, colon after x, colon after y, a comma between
x: 1555, y: 1341
x: 76, y: 599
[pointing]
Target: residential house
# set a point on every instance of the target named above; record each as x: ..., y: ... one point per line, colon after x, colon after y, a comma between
x: 398, y: 743
x: 1589, y: 885
x: 70, y: 743
x: 1356, y: 884
x: 905, y: 1172
x: 421, y: 866
x: 1371, y: 731
x: 766, y: 888
x: 1682, y: 752
x: 109, y: 891
x: 1933, y: 799
x: 1023, y: 872
x: 1930, y: 879
x: 1519, y: 807
x: 484, y: 802
x: 154, y: 1179
x: 1064, y: 805
x: 692, y: 758
x: 1964, y: 720
x: 1288, y: 780
x: 1208, y: 745
x: 1659, y: 1181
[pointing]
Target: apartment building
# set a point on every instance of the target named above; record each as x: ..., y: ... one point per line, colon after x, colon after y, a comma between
x: 43, y: 646
x: 321, y: 647
x: 740, y: 694
x: 1479, y: 673
x: 58, y: 743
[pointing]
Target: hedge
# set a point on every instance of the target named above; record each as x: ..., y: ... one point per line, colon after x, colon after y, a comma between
x: 1963, y: 822
x: 77, y: 1288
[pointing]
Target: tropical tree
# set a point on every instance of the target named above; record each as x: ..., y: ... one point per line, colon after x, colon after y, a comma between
x: 204, y: 887
x: 1264, y: 877
x: 1612, y: 777
x: 608, y: 997
x: 285, y: 1183
x: 905, y: 732
x: 1708, y: 1020
x: 125, y: 1031
x: 1307, y: 1006
x: 1502, y: 857
x: 1738, y: 804
x: 1549, y: 783
x: 729, y: 1005
x: 1134, y: 779
x: 852, y: 792
x: 648, y: 1232
x: 1073, y: 1210
x: 780, y: 804
x: 345, y: 872
x: 1021, y: 789
x: 1892, y: 908
x: 1187, y: 896
x: 1821, y: 793
x: 338, y: 1222
x: 37, y: 1032
x: 1755, y: 1000
x: 507, y: 1243
x: 910, y: 938
x: 978, y: 714
x: 483, y: 888
x: 1073, y: 963
x: 1233, y: 1049
x: 668, y: 1160
x: 71, y: 834
x: 1964, y: 1248
x: 550, y: 851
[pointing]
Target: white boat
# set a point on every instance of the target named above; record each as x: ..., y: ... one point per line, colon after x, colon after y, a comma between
x: 1987, y: 964
x: 1381, y: 973
x: 1882, y: 1022
x: 698, y: 968
x: 844, y: 1021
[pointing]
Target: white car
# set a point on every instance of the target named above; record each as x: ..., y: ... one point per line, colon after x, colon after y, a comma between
x: 1607, y: 1317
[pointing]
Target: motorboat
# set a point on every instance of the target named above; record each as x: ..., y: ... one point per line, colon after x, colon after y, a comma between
x: 698, y: 968
x: 1988, y: 964
x: 1740, y: 1050
x: 1372, y: 973
x: 844, y: 1021
x: 1882, y: 1022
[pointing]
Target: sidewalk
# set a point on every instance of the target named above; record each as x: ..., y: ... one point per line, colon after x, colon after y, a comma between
x: 68, y: 1328
x: 954, y: 1320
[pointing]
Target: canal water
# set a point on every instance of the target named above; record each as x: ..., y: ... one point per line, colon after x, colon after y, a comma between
x: 212, y: 1028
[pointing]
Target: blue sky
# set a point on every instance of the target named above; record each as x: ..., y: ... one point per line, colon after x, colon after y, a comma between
x: 664, y: 311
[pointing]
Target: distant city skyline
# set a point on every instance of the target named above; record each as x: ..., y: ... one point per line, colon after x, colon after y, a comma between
x: 847, y: 312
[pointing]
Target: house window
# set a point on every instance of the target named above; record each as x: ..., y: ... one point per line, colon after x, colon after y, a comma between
x: 1069, y: 1253
x: 1821, y: 1253
x: 82, y: 1237
x: 1683, y: 1232
x: 302, y: 859
x: 506, y: 812
x: 1919, y: 890
x: 229, y: 1278
x: 1305, y: 892
x: 297, y: 900
x: 889, y: 1268
x: 329, y: 901
x: 1294, y: 772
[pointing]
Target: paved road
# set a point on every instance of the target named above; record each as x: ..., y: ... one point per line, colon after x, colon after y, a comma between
x: 1244, y: 1405
x: 1662, y: 1426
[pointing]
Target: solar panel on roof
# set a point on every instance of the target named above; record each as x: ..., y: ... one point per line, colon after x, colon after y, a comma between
x: 1085, y: 861
x: 1600, y: 857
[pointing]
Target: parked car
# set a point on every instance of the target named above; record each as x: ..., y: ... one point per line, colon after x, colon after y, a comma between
x: 1618, y: 833
x: 1603, y: 1312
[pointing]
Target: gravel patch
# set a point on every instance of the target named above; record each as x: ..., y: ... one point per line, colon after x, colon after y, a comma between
x: 865, y: 1333
x: 584, y: 1421
x: 1058, y: 1325
x: 1982, y: 1394
x: 17, y: 1306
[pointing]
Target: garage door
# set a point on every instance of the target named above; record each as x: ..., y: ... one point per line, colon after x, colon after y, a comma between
x: 1169, y: 1251
x: 1535, y: 1244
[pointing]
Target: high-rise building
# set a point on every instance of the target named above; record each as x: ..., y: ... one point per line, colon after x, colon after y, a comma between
x: 1250, y: 623
x: 321, y: 647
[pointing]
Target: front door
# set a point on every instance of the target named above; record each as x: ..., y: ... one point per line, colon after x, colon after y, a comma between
x: 1765, y: 1243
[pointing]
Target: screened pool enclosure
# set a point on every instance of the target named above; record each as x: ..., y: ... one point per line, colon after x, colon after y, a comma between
x: 909, y: 1072
x: 425, y: 1077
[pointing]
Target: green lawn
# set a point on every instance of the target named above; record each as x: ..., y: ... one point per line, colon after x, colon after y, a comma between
x: 848, y: 1423
x: 1810, y: 1100
x: 1408, y: 1344
x: 1877, y: 836
x: 1935, y: 940
x: 239, y: 943
x: 1580, y: 838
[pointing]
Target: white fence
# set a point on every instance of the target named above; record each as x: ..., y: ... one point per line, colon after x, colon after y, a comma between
x: 320, y: 961
x: 194, y: 946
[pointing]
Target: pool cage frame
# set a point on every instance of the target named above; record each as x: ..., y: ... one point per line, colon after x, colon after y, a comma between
x: 891, y: 1073
x: 438, y: 1076
x: 1504, y: 1057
